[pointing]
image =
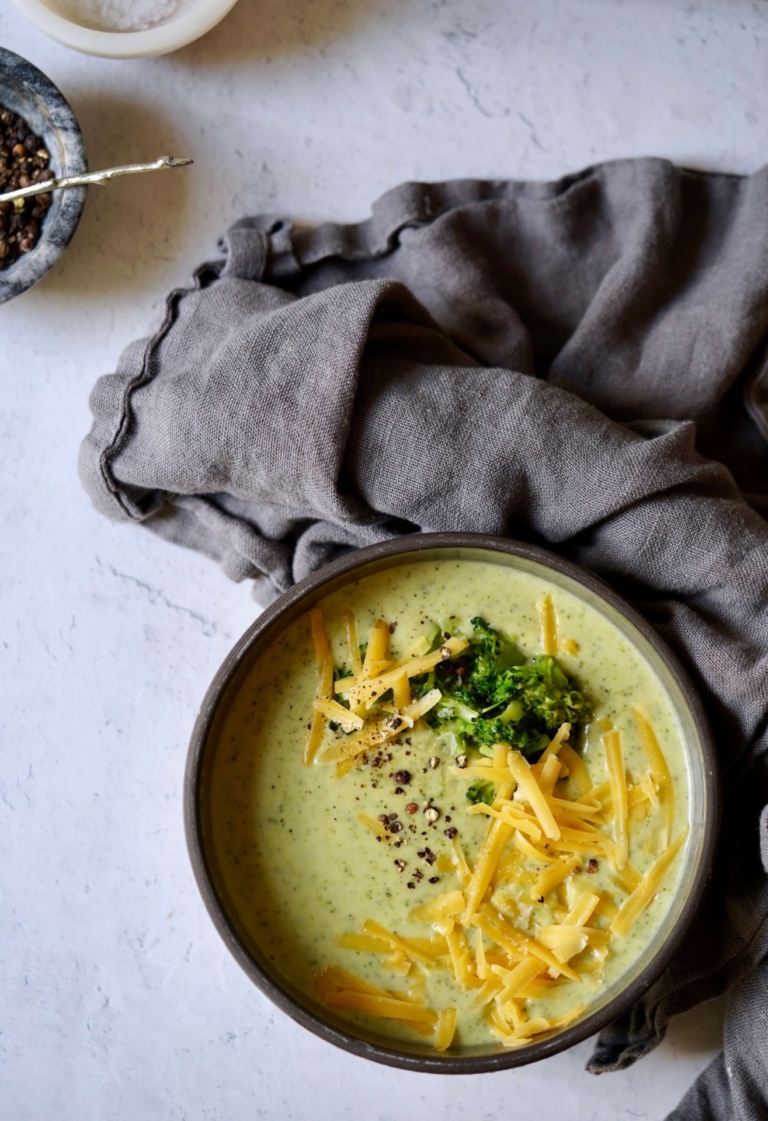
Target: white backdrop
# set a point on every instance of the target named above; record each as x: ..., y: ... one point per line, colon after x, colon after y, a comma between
x: 117, y: 999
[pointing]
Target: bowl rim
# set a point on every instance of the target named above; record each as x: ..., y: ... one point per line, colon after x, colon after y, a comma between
x: 175, y: 33
x: 425, y: 1063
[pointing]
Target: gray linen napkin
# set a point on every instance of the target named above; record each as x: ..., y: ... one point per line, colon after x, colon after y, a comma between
x: 548, y: 361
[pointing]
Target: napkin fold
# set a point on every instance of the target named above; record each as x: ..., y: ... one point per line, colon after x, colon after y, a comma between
x: 578, y: 363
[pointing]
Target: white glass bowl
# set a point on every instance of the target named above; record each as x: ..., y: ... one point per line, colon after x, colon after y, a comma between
x: 195, y: 18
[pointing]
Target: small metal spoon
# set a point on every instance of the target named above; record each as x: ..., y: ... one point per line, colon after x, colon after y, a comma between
x: 97, y: 177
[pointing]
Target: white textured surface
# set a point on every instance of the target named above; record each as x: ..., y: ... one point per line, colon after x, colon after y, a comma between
x: 117, y: 999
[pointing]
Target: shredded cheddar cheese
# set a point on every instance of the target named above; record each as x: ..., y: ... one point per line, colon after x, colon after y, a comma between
x: 531, y: 792
x: 549, y: 878
x: 354, y: 650
x: 618, y: 784
x: 319, y: 720
x: 578, y: 775
x: 332, y: 710
x: 646, y: 889
x: 363, y: 692
x: 495, y: 841
x: 549, y: 635
x: 446, y: 1026
x: 659, y: 772
x: 520, y: 922
x: 386, y: 1006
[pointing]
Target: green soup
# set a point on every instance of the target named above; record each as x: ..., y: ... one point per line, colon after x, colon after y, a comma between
x: 301, y: 869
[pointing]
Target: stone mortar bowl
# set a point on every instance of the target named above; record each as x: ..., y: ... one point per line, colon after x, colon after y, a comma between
x: 25, y: 90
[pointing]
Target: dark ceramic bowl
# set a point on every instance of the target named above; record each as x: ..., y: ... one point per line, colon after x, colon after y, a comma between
x: 700, y: 758
x: 27, y: 91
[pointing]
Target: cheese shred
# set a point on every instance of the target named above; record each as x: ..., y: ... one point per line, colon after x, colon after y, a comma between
x: 659, y: 772
x: 549, y: 636
x: 446, y: 1027
x: 646, y: 889
x: 618, y: 782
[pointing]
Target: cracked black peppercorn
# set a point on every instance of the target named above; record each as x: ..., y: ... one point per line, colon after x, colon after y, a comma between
x: 23, y: 161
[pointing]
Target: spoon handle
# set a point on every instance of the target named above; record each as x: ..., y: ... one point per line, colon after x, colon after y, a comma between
x: 97, y: 177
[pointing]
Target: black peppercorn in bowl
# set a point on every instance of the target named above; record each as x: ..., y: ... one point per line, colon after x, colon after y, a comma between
x: 37, y: 121
x: 280, y: 863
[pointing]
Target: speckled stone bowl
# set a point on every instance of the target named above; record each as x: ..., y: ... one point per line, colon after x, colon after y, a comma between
x: 27, y: 91
x: 701, y: 762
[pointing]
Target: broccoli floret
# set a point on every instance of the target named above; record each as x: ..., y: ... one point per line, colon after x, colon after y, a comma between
x: 491, y: 694
x: 481, y: 790
x: 338, y: 675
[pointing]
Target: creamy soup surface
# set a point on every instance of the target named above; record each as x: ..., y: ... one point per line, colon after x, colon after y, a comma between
x: 304, y: 867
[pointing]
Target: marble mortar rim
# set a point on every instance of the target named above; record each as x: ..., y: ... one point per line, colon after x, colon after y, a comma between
x: 27, y: 91
x: 310, y: 589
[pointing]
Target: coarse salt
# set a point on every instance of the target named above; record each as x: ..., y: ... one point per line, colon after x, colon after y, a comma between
x: 118, y: 15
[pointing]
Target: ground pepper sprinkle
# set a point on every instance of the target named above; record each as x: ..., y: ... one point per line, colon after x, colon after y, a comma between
x: 24, y: 160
